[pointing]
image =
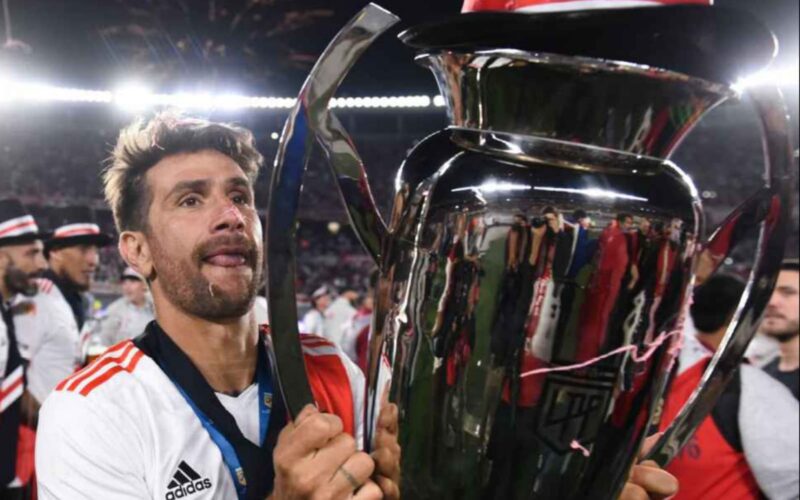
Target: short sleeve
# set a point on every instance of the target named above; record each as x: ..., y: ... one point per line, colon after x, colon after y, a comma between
x: 769, y: 418
x: 87, y: 449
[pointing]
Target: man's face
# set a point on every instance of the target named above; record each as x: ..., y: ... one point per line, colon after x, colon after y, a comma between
x: 25, y: 263
x: 134, y: 290
x: 781, y: 319
x: 627, y: 223
x: 204, y: 235
x: 322, y: 302
x: 77, y: 264
x: 644, y: 225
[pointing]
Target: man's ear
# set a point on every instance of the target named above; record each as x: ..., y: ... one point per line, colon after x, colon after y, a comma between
x: 136, y: 252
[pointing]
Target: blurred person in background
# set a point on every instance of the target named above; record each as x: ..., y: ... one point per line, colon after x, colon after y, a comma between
x: 314, y: 319
x: 49, y: 330
x: 748, y: 447
x: 338, y: 313
x: 128, y: 316
x: 21, y: 261
x: 782, y: 323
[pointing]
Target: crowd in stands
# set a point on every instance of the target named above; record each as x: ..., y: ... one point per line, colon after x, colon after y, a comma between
x: 52, y: 165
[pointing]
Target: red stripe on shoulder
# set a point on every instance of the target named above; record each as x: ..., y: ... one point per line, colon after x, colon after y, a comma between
x: 111, y: 354
x: 97, y: 382
x: 116, y: 359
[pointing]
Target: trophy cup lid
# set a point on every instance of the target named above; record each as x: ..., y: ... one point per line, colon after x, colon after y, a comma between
x: 713, y: 43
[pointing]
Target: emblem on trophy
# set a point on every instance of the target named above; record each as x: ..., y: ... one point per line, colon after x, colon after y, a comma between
x: 542, y: 249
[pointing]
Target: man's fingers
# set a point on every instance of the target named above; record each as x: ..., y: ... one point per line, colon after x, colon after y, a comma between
x: 306, y: 412
x: 633, y: 492
x: 351, y: 475
x: 387, y: 419
x: 390, y: 489
x: 386, y: 463
x: 649, y: 443
x: 334, y: 454
x: 654, y: 480
x: 311, y: 434
x: 370, y: 491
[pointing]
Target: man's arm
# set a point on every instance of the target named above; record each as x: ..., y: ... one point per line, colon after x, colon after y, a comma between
x: 769, y: 418
x: 86, y: 449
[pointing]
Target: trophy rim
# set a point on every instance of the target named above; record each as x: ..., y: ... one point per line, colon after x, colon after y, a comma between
x: 583, y: 64
x: 717, y: 44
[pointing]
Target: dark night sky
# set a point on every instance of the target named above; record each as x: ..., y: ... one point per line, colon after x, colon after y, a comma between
x: 93, y: 43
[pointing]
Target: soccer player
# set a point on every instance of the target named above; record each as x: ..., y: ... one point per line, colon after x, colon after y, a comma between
x: 190, y: 409
x: 21, y: 261
x: 49, y: 330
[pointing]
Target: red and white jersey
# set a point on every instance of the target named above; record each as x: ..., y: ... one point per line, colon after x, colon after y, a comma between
x: 48, y: 338
x: 120, y: 429
x: 568, y: 5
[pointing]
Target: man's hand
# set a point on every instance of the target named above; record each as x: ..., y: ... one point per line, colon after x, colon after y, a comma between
x: 315, y: 459
x: 387, y: 452
x: 648, y: 481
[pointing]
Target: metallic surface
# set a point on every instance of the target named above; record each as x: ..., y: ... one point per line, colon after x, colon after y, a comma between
x: 538, y: 263
x: 765, y: 214
x: 309, y: 120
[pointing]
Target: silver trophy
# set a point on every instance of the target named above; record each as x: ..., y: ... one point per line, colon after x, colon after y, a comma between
x: 542, y: 249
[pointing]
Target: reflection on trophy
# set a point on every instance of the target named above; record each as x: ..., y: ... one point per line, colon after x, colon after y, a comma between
x: 542, y: 248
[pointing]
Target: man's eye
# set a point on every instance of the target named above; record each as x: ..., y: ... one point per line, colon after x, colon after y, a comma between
x: 240, y: 199
x: 190, y: 201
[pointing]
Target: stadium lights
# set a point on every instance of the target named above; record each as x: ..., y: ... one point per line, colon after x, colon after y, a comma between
x: 137, y: 98
x: 782, y: 77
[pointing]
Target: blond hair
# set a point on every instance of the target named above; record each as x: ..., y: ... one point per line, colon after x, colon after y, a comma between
x: 142, y: 144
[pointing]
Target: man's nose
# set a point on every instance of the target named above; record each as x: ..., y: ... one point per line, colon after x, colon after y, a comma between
x: 229, y: 218
x: 93, y: 258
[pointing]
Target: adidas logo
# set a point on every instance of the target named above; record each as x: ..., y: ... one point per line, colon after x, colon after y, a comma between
x: 186, y: 482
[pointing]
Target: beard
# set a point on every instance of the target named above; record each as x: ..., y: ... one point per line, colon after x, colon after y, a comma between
x: 19, y: 282
x: 187, y: 288
x: 784, y: 333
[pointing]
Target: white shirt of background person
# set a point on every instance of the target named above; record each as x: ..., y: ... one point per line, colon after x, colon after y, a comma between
x: 337, y: 316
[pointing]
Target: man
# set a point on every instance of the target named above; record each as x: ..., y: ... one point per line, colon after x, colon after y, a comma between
x: 748, y: 447
x: 782, y: 323
x: 314, y: 319
x: 338, y: 313
x: 21, y: 261
x: 49, y: 332
x: 129, y: 315
x: 188, y: 409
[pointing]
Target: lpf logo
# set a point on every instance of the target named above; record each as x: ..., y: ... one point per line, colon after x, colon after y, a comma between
x: 574, y: 409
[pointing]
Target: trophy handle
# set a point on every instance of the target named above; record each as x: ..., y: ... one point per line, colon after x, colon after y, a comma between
x: 767, y: 212
x: 310, y: 119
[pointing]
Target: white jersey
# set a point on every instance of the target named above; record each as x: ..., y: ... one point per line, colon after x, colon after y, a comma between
x: 5, y: 345
x: 48, y: 338
x: 120, y: 429
x: 124, y: 320
x: 314, y: 323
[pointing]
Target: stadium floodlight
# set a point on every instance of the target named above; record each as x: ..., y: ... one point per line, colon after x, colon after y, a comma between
x: 786, y: 76
x: 133, y: 97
